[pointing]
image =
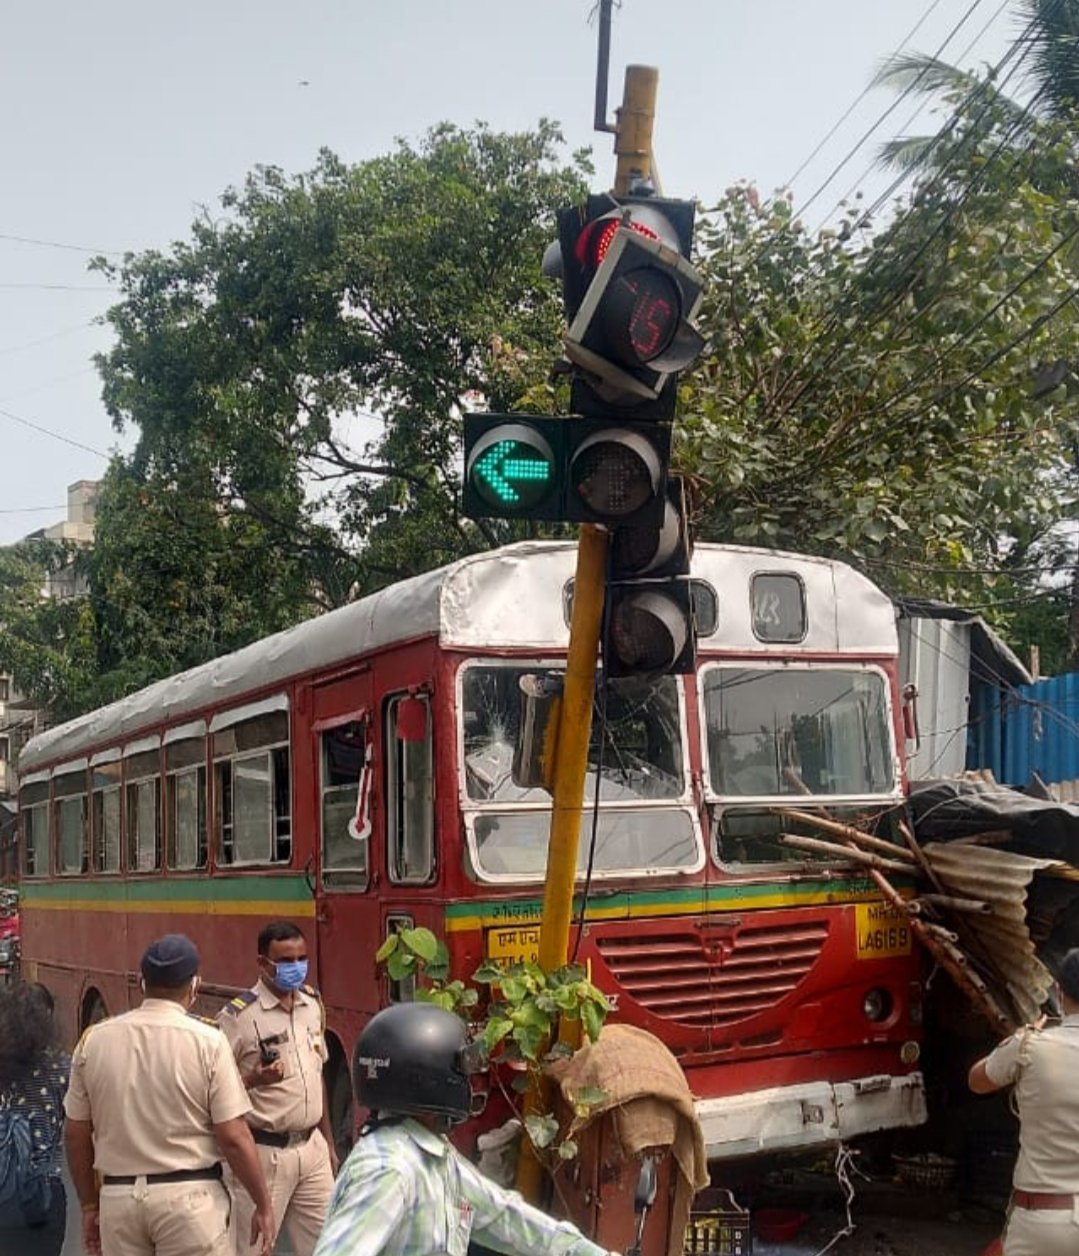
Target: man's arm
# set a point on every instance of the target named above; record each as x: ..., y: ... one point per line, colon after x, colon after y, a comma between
x: 238, y: 1148
x: 504, y: 1221
x: 368, y: 1207
x: 979, y: 1080
x: 326, y: 1128
x: 79, y: 1145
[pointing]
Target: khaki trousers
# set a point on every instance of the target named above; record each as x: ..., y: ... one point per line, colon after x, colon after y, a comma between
x: 165, y: 1219
x: 1042, y: 1232
x: 300, y: 1182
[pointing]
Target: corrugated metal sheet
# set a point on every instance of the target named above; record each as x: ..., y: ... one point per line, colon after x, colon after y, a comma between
x: 1041, y: 731
x: 999, y: 944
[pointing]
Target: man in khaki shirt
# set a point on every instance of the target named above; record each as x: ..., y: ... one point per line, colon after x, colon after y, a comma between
x: 1043, y: 1065
x: 155, y: 1101
x: 276, y: 1034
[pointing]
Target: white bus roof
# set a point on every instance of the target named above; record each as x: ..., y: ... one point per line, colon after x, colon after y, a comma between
x: 508, y: 598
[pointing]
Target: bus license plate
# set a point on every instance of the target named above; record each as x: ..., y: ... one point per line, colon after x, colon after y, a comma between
x: 882, y: 931
x: 519, y: 942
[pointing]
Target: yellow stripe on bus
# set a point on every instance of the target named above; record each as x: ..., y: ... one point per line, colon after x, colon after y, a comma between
x: 639, y: 911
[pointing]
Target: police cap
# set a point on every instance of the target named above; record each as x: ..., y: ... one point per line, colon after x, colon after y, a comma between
x: 170, y: 961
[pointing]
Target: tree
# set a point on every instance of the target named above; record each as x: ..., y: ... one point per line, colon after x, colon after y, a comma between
x: 404, y: 288
x: 1044, y: 57
x: 398, y: 289
x: 874, y: 396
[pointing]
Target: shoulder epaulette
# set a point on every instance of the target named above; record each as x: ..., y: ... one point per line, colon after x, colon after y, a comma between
x: 312, y: 991
x: 206, y: 1020
x: 235, y: 1006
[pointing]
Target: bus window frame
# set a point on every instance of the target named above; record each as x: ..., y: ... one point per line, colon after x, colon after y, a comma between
x: 340, y: 880
x: 717, y: 803
x: 472, y: 808
x: 131, y: 855
x: 43, y: 808
x: 223, y: 723
x: 59, y: 802
x: 391, y: 779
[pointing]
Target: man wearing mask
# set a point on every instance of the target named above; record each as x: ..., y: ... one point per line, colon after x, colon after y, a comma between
x: 276, y: 1033
x: 154, y: 1104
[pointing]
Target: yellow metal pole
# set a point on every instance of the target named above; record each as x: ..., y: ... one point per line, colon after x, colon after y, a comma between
x: 633, y: 149
x: 633, y: 135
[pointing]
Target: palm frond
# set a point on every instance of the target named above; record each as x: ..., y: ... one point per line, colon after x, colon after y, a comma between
x: 910, y: 152
x: 928, y: 76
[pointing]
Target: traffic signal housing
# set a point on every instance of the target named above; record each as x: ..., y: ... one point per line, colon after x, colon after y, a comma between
x: 630, y: 295
x: 650, y: 620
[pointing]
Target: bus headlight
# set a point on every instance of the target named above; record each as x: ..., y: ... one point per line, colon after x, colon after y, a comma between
x: 877, y: 1004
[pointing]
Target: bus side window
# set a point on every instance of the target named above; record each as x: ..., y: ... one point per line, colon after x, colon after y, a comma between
x: 410, y: 790
x: 185, y: 768
x: 252, y: 791
x: 106, y: 816
x: 344, y: 761
x: 73, y: 854
x: 142, y: 779
x: 34, y: 809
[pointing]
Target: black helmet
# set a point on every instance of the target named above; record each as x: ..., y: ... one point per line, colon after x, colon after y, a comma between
x: 415, y: 1057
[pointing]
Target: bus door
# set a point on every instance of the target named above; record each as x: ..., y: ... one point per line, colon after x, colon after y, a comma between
x: 349, y: 934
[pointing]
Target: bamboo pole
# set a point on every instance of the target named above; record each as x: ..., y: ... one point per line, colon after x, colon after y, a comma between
x: 848, y: 833
x: 848, y: 852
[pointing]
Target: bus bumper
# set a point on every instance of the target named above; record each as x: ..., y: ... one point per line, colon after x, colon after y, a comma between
x: 789, y: 1118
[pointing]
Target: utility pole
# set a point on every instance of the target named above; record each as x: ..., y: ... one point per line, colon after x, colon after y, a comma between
x: 633, y: 150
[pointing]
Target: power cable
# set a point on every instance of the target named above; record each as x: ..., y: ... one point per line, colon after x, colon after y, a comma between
x: 54, y: 244
x: 868, y: 134
x: 41, y: 340
x: 58, y: 287
x: 863, y: 93
x: 67, y: 440
x: 828, y: 322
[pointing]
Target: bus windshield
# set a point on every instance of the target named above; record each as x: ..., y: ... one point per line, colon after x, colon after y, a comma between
x: 637, y: 747
x: 797, y: 731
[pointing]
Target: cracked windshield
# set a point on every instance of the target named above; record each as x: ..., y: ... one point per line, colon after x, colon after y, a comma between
x: 638, y: 747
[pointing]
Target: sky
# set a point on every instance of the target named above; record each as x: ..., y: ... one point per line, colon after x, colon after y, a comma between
x: 122, y: 119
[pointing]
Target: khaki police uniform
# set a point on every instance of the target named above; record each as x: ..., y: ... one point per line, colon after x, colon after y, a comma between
x: 153, y: 1083
x: 1043, y: 1064
x: 284, y: 1115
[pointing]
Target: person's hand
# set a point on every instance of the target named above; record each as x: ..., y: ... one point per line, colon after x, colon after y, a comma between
x: 1041, y: 1022
x: 91, y: 1232
x: 265, y: 1075
x: 263, y: 1229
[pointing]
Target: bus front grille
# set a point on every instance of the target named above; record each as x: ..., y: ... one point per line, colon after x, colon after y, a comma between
x: 699, y: 979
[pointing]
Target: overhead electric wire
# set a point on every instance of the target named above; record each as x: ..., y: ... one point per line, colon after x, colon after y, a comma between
x: 921, y: 108
x: 55, y: 244
x: 882, y: 118
x: 60, y: 287
x: 41, y: 340
x: 830, y: 320
x: 67, y: 440
x: 864, y: 93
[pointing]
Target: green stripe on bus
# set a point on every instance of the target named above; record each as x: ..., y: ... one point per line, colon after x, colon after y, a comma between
x: 185, y: 895
x: 637, y: 903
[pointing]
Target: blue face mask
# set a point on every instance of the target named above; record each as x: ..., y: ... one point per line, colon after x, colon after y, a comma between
x: 290, y: 974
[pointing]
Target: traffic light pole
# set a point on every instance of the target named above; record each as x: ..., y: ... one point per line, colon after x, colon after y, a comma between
x: 633, y: 151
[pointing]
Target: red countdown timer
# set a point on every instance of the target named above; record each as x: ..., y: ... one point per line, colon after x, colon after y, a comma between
x: 645, y: 312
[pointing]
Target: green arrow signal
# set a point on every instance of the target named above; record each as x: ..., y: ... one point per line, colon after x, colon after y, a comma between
x: 509, y: 464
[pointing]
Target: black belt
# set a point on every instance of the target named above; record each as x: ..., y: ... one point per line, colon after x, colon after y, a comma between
x: 289, y: 1139
x: 212, y: 1173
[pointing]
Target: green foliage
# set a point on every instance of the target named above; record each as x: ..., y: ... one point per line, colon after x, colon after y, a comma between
x: 518, y: 1019
x: 874, y: 396
x: 247, y: 359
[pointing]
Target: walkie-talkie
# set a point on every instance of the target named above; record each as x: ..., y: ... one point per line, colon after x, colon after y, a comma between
x: 267, y: 1054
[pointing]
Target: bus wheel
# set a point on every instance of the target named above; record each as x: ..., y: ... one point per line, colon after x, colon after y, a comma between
x: 339, y: 1089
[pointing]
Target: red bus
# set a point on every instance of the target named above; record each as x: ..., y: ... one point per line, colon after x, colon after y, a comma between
x: 355, y: 773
